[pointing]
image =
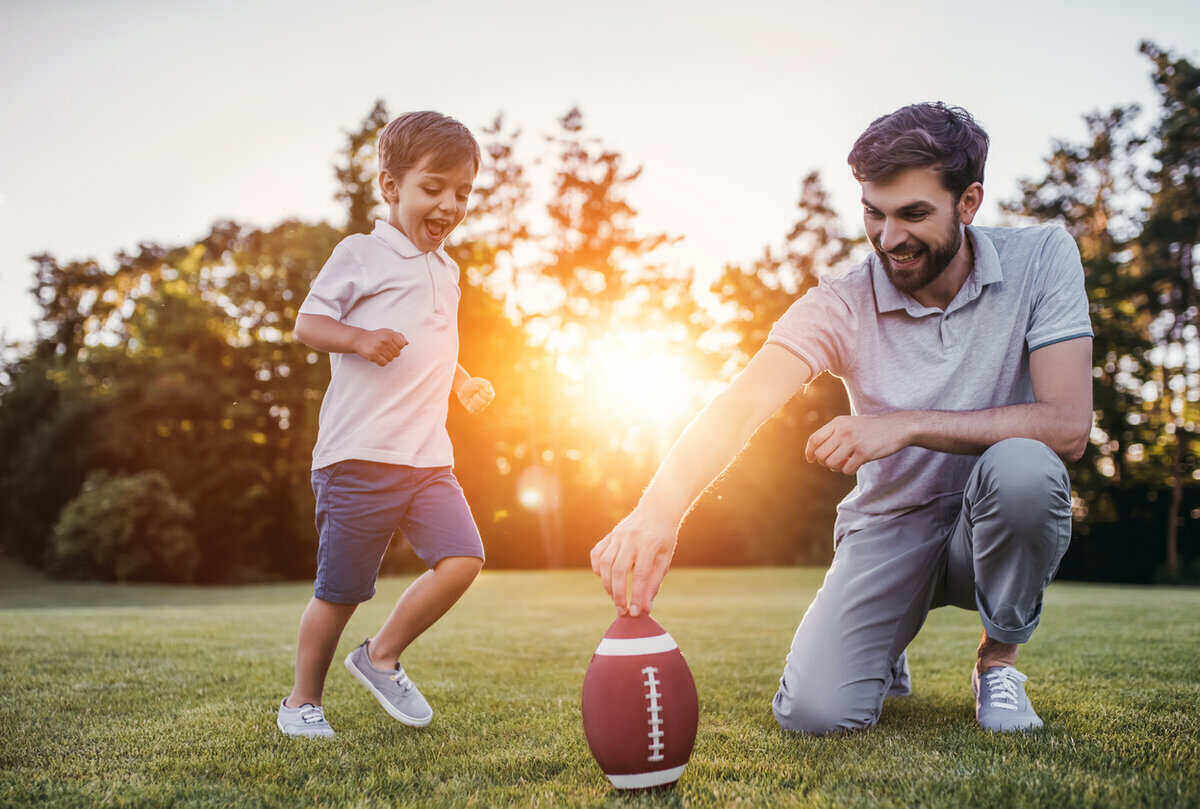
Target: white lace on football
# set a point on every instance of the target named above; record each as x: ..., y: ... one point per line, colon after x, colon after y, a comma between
x: 1003, y: 684
x: 313, y: 715
x: 654, y: 709
x: 401, y: 679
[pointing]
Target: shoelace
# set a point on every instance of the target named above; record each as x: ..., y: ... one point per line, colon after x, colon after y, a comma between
x: 1002, y: 686
x: 401, y: 679
x: 314, y: 715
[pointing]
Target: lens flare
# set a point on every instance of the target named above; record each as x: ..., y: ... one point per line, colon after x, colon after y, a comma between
x: 636, y: 380
x: 530, y: 498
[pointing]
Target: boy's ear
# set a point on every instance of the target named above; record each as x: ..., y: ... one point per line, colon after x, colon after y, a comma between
x: 388, y: 187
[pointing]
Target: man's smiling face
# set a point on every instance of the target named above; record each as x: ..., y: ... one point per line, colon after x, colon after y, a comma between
x: 914, y: 224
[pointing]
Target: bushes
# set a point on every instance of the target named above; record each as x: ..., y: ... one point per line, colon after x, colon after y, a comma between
x: 125, y: 529
x: 45, y: 432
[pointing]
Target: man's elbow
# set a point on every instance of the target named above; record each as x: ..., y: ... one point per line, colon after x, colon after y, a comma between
x: 1072, y: 446
x: 1073, y: 451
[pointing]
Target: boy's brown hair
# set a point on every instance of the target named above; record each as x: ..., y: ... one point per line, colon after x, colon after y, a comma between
x: 413, y: 136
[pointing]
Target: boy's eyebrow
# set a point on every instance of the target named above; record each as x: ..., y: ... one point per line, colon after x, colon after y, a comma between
x: 442, y: 178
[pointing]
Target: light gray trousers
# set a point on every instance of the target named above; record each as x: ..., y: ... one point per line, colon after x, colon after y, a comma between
x: 993, y: 551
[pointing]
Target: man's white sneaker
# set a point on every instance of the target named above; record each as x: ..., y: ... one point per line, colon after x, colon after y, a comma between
x: 1000, y: 701
x: 305, y: 720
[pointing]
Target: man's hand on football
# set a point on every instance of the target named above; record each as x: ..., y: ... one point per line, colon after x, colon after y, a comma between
x: 639, y: 545
x: 476, y: 394
x: 848, y: 442
x: 380, y: 346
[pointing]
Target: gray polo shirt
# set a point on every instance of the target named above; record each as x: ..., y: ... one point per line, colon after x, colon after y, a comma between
x: 1025, y: 292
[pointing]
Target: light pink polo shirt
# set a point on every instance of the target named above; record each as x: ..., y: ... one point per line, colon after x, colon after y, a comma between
x: 395, y: 414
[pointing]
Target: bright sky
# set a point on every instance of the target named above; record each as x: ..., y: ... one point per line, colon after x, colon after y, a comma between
x: 128, y: 121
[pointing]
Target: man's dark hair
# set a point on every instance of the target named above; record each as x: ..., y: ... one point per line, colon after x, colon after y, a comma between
x: 407, y: 140
x: 928, y: 135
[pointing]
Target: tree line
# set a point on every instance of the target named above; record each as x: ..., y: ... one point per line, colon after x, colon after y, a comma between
x: 160, y: 424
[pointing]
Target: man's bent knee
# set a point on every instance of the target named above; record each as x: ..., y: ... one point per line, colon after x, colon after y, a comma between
x: 1023, y: 480
x: 1020, y: 462
x: 820, y: 713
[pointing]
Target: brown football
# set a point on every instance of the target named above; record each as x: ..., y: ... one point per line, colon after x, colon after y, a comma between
x: 639, y: 705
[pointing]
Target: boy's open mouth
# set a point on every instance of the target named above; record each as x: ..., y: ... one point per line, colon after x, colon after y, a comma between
x: 436, y: 229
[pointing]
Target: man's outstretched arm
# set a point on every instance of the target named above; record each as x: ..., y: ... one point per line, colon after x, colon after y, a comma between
x: 1061, y: 418
x: 644, y: 541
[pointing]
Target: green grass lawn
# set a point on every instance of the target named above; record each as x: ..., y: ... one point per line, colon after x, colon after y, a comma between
x: 156, y: 696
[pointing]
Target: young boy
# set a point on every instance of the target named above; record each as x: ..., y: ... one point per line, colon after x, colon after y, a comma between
x: 385, y: 307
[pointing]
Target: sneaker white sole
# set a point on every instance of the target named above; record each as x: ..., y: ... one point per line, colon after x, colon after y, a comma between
x: 392, y: 710
x: 317, y: 735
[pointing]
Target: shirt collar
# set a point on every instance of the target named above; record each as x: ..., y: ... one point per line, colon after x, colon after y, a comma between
x: 986, y: 270
x: 394, y: 238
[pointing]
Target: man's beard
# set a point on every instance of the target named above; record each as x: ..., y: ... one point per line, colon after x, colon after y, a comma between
x: 935, y: 263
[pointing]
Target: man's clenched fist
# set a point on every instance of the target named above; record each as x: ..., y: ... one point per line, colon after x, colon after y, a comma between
x: 848, y: 442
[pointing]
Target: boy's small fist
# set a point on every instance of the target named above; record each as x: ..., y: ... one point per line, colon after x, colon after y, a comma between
x: 380, y: 346
x: 476, y: 394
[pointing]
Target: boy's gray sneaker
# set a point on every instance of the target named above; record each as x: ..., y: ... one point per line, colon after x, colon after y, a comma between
x: 305, y: 720
x: 396, y: 693
x: 1000, y: 701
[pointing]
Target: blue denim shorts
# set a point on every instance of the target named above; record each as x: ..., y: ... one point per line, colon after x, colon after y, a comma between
x: 360, y: 504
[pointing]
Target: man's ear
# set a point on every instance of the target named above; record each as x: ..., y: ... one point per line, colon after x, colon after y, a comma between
x: 969, y: 203
x: 388, y: 187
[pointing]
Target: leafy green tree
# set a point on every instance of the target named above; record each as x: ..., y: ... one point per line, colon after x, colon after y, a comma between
x: 1093, y: 190
x: 190, y: 387
x: 780, y: 508
x: 1170, y: 257
x: 357, y: 168
x: 596, y: 250
x: 1137, y: 232
x: 125, y: 529
x: 45, y: 429
x: 496, y: 228
x: 46, y: 412
x: 593, y: 279
x: 760, y: 292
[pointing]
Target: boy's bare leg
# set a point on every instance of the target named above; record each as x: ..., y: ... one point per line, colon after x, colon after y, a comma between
x: 320, y: 629
x: 425, y: 600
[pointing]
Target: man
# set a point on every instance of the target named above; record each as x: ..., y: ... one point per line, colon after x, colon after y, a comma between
x: 966, y: 354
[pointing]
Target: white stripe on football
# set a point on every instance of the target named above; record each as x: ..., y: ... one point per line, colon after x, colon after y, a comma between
x: 642, y: 780
x: 637, y: 646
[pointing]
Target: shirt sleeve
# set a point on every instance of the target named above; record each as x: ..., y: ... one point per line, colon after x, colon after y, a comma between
x: 338, y: 285
x: 1060, y: 307
x: 818, y: 328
